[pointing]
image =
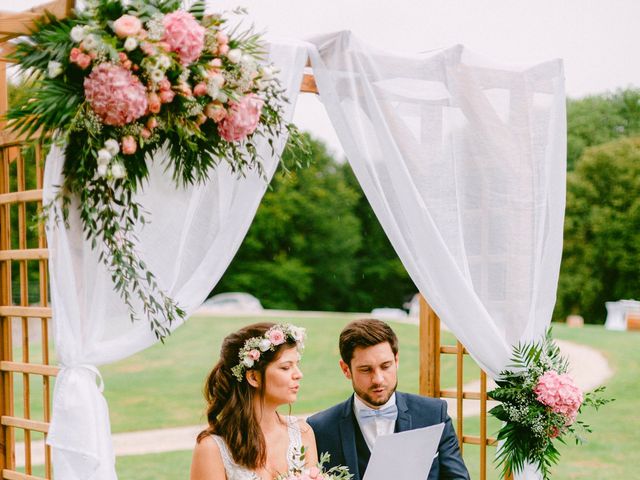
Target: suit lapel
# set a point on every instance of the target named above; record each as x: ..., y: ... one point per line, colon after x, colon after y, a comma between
x: 348, y: 438
x: 403, y: 423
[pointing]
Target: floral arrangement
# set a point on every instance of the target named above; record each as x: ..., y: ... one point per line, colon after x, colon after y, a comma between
x: 299, y: 472
x: 253, y: 348
x: 540, y: 404
x: 120, y: 80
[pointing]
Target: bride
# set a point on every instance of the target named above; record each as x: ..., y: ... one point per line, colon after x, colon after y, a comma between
x: 247, y: 439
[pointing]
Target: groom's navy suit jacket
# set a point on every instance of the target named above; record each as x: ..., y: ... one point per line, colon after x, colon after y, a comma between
x: 337, y: 432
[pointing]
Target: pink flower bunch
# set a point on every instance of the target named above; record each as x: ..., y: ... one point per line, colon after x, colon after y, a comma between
x: 80, y: 58
x: 314, y: 473
x: 560, y: 393
x: 242, y: 118
x: 115, y: 94
x: 184, y: 35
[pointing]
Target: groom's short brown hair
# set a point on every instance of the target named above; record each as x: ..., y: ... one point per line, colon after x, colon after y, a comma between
x: 365, y: 332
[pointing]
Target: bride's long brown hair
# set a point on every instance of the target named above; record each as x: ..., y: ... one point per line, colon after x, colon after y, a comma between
x: 230, y: 407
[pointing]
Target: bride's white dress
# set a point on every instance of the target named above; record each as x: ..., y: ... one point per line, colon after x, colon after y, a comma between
x: 238, y: 472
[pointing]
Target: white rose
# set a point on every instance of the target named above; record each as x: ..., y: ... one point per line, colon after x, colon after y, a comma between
x: 156, y: 75
x: 104, y: 156
x: 212, y: 89
x: 298, y: 333
x: 248, y: 362
x: 130, y: 44
x: 90, y: 42
x: 102, y: 170
x: 164, y: 62
x: 78, y: 33
x: 54, y: 68
x: 234, y: 55
x: 112, y: 146
x: 267, y: 73
x: 264, y: 345
x: 222, y: 97
x: 118, y: 171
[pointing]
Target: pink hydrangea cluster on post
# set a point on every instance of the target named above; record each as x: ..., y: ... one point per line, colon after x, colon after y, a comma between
x: 184, y: 35
x: 560, y: 393
x: 242, y: 118
x: 115, y: 94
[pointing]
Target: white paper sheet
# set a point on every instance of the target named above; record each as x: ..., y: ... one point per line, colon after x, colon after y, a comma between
x: 404, y: 455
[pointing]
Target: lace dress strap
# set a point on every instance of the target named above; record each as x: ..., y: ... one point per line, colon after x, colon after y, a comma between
x: 232, y: 470
x: 295, y: 443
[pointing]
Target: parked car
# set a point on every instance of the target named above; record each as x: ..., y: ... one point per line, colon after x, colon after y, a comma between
x: 388, y: 313
x: 233, y: 302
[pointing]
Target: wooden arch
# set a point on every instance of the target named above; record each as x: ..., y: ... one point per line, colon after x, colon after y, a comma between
x: 25, y: 369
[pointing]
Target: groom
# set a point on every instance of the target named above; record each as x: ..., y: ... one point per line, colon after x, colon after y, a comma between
x: 348, y: 431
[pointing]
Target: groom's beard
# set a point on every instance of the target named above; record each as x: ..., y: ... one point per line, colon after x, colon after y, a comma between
x: 377, y: 401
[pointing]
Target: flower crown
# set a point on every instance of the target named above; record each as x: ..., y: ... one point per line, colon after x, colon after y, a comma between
x: 253, y: 348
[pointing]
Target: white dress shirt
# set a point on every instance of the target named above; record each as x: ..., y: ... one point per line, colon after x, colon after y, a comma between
x: 378, y: 426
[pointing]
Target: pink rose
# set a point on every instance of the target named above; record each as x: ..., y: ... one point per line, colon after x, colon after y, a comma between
x: 200, y: 89
x: 145, y: 133
x: 254, y: 354
x: 127, y: 26
x: 154, y: 102
x: 83, y: 61
x: 129, y: 145
x: 223, y: 49
x: 185, y: 89
x: 73, y: 55
x: 148, y: 48
x: 152, y: 123
x: 184, y: 35
x: 276, y: 337
x: 166, y: 96
x: 242, y: 118
x: 215, y: 112
x: 164, y: 84
x: 314, y: 473
x: 222, y: 38
x: 216, y: 63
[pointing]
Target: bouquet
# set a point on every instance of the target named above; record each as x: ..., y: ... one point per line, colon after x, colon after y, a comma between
x: 299, y: 472
x: 120, y: 80
x: 540, y: 404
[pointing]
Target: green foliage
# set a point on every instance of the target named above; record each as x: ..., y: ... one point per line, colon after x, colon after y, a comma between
x: 601, y: 259
x: 600, y: 118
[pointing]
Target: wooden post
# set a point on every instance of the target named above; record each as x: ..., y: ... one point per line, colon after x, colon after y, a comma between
x: 429, y: 350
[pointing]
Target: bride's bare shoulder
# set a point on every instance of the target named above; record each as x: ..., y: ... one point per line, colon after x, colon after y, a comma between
x: 207, y: 461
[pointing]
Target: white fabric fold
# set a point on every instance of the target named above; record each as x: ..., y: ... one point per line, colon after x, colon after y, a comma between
x: 463, y: 162
x: 193, y: 235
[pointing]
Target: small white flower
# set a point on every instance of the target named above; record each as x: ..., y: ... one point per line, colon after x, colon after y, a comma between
x: 118, y: 171
x: 248, y: 362
x: 267, y: 73
x: 164, y: 62
x: 54, y: 69
x: 78, y: 33
x: 112, y: 146
x: 156, y: 75
x: 264, y: 345
x: 102, y: 170
x: 234, y: 55
x: 212, y: 89
x: 218, y: 80
x: 90, y: 42
x: 104, y: 156
x: 130, y: 44
x: 298, y: 333
x: 222, y: 97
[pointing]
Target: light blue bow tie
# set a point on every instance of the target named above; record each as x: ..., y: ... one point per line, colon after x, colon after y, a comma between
x: 369, y: 414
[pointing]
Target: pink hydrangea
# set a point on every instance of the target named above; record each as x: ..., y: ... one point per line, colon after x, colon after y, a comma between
x: 184, y: 35
x: 115, y: 94
x: 560, y: 393
x: 242, y: 118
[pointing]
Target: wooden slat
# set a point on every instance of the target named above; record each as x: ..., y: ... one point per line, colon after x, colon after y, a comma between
x: 475, y: 440
x: 308, y: 84
x: 429, y: 343
x: 452, y: 350
x: 16, y: 197
x: 460, y: 394
x: 454, y: 394
x: 13, y: 24
x: 37, y: 312
x: 31, y: 368
x: 28, y: 254
x: 13, y: 475
x: 24, y: 423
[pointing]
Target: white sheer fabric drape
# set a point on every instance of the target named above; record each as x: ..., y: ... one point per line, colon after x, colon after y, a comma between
x: 193, y: 235
x: 463, y: 162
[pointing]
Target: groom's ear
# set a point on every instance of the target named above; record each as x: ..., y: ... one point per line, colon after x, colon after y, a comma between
x: 345, y: 369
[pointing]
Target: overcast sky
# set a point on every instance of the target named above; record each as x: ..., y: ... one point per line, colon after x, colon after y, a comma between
x: 597, y: 39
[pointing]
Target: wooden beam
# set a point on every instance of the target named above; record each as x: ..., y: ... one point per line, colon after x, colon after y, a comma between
x: 308, y: 84
x: 429, y: 350
x: 13, y: 475
x: 30, y: 368
x: 17, y: 197
x: 14, y: 24
x: 25, y: 424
